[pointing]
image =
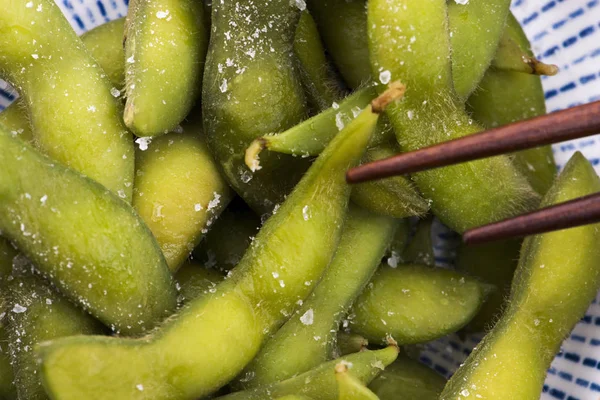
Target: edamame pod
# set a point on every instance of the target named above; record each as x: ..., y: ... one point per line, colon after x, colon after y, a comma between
x: 365, y: 366
x: 86, y: 240
x: 294, y: 397
x: 475, y: 31
x: 251, y: 89
x: 179, y: 191
x: 505, y: 97
x: 36, y: 314
x: 308, y: 338
x: 281, y: 267
x: 7, y: 254
x: 228, y: 238
x: 195, y: 280
x: 514, y: 52
x: 406, y: 379
x: 320, y: 83
x: 348, y: 343
x: 165, y: 48
x: 343, y: 27
x: 350, y: 388
x: 105, y: 43
x: 69, y: 99
x: 464, y: 195
x: 557, y: 278
x: 494, y: 263
x: 416, y: 304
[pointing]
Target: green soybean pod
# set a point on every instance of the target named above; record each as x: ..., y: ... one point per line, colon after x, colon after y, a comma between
x: 82, y: 237
x: 37, y: 314
x: 476, y: 28
x: 343, y: 27
x: 228, y: 238
x: 495, y: 264
x: 464, y: 195
x: 179, y: 191
x: 195, y: 280
x: 557, y: 278
x: 251, y: 88
x: 74, y: 115
x: 416, y: 304
x: 349, y: 387
x: 281, y: 267
x: 505, y: 97
x: 105, y: 43
x: 165, y: 49
x: 348, y: 343
x: 320, y: 383
x: 406, y: 379
x: 307, y: 339
x: 294, y: 397
x: 318, y: 78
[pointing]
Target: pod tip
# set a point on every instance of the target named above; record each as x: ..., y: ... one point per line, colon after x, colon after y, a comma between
x: 540, y: 68
x: 394, y: 92
x: 252, y: 154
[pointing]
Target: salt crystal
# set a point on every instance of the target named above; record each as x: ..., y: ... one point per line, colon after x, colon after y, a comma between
x: 162, y: 14
x: 140, y: 387
x: 308, y: 317
x: 214, y: 202
x: 339, y: 122
x: 385, y: 77
x: 115, y: 92
x: 301, y: 4
x: 29, y: 4
x: 43, y: 199
x: 35, y: 56
x: 48, y: 301
x: 143, y: 142
x: 461, y: 2
x: 306, y: 213
x: 223, y: 86
x: 197, y: 207
x: 18, y: 309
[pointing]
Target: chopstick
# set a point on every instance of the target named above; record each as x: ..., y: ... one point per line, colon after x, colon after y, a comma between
x: 582, y: 211
x: 562, y: 125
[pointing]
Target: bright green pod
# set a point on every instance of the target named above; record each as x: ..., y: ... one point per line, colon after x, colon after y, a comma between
x: 251, y: 89
x: 505, y: 97
x: 493, y: 263
x: 465, y: 195
x: 228, y: 238
x: 343, y: 28
x: 308, y: 338
x: 179, y: 191
x: 364, y: 366
x: 406, y: 379
x: 195, y: 280
x: 349, y: 387
x: 281, y: 267
x: 557, y: 278
x: 105, y: 43
x: 348, y: 343
x: 476, y: 27
x: 36, y: 313
x: 71, y: 104
x: 416, y: 304
x: 319, y: 81
x: 165, y: 48
x: 82, y: 237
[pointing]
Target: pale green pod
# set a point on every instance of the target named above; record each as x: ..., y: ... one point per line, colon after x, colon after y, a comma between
x: 179, y: 191
x: 165, y: 48
x: 281, y: 267
x: 557, y: 278
x: 71, y: 104
x: 84, y: 239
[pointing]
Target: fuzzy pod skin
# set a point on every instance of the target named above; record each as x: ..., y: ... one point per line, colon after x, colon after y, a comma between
x: 321, y: 85
x: 179, y: 191
x: 556, y: 280
x: 251, y: 89
x: 165, y: 48
x: 504, y: 97
x: 308, y: 338
x: 105, y: 44
x: 364, y: 366
x: 95, y: 249
x: 465, y: 195
x: 36, y: 313
x: 416, y: 304
x: 228, y: 239
x: 281, y: 267
x: 69, y: 99
x: 406, y: 379
x: 475, y: 31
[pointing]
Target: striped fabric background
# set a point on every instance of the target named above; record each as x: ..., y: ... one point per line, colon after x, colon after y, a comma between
x: 563, y: 32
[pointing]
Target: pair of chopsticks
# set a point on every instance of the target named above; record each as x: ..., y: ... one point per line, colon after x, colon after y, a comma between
x: 572, y: 123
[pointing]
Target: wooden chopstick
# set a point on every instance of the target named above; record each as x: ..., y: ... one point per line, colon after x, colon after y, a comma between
x: 578, y: 212
x: 562, y: 125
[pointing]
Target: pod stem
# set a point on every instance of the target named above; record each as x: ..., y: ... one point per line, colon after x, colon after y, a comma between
x: 394, y: 92
x: 251, y: 157
x: 540, y: 68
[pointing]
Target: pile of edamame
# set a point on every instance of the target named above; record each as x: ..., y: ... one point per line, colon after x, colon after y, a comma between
x: 175, y: 221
